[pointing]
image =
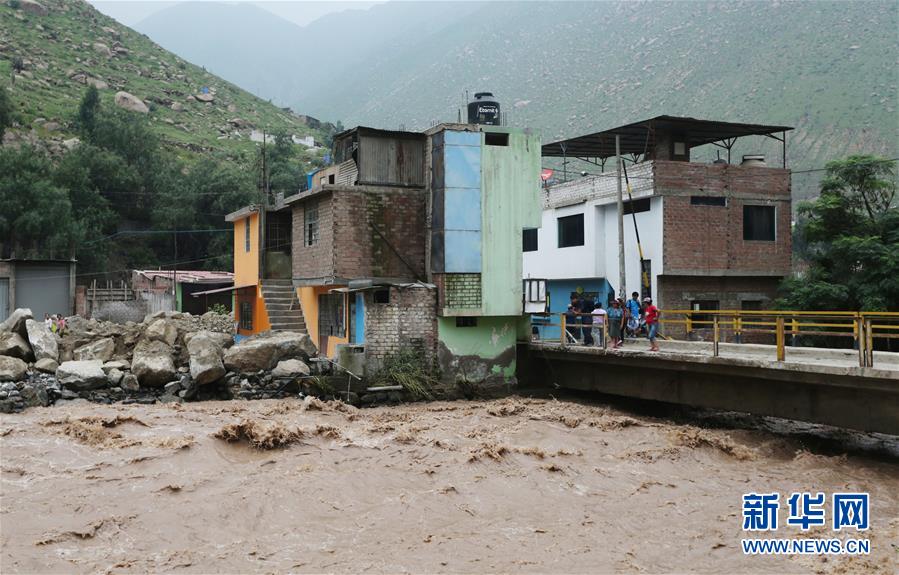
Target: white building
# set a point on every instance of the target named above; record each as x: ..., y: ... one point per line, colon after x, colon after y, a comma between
x: 577, y: 244
x: 715, y: 236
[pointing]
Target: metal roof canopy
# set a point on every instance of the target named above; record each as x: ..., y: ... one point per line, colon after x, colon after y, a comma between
x: 639, y: 137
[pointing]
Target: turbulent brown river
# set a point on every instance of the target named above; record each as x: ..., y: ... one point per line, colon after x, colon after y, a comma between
x: 523, y: 485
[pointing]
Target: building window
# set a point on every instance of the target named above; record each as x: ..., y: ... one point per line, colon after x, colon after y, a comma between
x: 332, y: 314
x: 310, y: 224
x: 636, y: 206
x: 496, y: 139
x: 382, y: 296
x: 246, y: 315
x: 529, y: 240
x: 708, y: 201
x: 758, y: 223
x: 701, y: 320
x: 466, y: 322
x: 246, y: 235
x: 571, y: 231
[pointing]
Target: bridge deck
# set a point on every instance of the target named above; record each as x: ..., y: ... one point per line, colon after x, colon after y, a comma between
x: 885, y: 364
x: 812, y: 384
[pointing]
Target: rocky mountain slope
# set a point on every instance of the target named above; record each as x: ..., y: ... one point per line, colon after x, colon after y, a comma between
x: 51, y: 50
x: 566, y: 68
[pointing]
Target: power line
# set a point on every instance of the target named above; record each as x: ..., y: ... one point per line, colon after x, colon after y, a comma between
x: 733, y: 177
x: 151, y: 232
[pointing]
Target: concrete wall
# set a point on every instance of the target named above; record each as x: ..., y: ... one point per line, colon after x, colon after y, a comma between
x: 510, y: 203
x: 482, y: 357
x: 246, y: 263
x: 598, y: 257
x: 857, y: 398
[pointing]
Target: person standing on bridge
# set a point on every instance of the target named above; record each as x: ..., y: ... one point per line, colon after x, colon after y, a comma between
x: 652, y: 322
x: 616, y: 323
x: 633, y: 314
x: 599, y: 318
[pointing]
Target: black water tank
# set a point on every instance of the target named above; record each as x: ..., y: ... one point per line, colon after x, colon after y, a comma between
x: 484, y: 109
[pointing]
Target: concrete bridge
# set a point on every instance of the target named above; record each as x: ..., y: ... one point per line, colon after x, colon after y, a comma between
x: 811, y: 384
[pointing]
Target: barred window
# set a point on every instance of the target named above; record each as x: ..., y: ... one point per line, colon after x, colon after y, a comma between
x: 310, y: 224
x: 246, y: 315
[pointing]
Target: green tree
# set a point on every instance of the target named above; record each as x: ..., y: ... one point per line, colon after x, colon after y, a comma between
x: 36, y: 219
x: 850, y: 238
x: 5, y: 112
x: 88, y: 110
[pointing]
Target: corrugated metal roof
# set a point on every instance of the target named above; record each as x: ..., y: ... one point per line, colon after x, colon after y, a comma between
x: 189, y: 276
x: 639, y: 137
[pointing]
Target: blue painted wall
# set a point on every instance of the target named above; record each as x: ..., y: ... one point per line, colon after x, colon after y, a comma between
x: 560, y: 297
x: 360, y: 319
x: 462, y: 201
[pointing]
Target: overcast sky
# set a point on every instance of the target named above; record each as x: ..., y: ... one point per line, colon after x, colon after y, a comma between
x: 130, y: 12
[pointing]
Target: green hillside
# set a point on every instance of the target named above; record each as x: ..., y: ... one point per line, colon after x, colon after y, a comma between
x: 827, y: 68
x: 47, y: 61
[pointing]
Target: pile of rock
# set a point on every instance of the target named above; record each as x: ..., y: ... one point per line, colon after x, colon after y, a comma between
x: 167, y: 357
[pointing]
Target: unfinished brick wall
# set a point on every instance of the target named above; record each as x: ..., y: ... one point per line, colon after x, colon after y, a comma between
x: 315, y: 261
x: 678, y: 292
x: 380, y: 233
x: 350, y: 248
x: 408, y: 321
x: 709, y: 239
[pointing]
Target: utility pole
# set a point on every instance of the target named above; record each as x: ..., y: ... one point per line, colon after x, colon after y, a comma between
x: 175, y: 272
x: 622, y: 293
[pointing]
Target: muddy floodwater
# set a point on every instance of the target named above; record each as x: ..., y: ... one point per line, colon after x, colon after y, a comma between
x: 523, y: 485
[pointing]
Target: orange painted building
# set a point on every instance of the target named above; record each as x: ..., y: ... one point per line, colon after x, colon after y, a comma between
x: 264, y: 296
x: 249, y: 304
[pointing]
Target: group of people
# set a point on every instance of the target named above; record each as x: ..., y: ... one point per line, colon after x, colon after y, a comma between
x: 585, y: 321
x: 56, y: 323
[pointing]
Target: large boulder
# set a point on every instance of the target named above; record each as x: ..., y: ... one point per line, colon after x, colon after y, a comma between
x: 16, y: 321
x: 43, y: 341
x: 130, y: 102
x: 205, y: 359
x: 33, y: 7
x: 152, y: 363
x: 265, y: 351
x: 222, y: 340
x: 46, y: 365
x: 102, y: 349
x: 290, y: 368
x: 163, y: 330
x: 14, y: 345
x: 81, y: 375
x: 12, y: 368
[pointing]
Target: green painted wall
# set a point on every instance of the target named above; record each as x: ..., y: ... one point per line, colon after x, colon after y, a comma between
x: 510, y: 199
x: 489, y: 341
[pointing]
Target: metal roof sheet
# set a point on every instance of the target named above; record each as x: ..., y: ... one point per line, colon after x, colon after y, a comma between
x: 639, y: 137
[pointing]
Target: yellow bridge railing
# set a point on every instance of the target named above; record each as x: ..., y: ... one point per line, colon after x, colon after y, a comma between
x: 864, y: 328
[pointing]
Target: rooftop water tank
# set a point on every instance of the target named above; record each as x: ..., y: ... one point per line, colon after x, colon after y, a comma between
x: 484, y: 109
x: 754, y: 161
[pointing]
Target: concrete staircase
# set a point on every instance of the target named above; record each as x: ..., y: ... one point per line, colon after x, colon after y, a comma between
x: 282, y: 305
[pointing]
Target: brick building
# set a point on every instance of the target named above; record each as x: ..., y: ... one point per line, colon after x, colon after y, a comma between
x: 409, y: 240
x: 713, y: 235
